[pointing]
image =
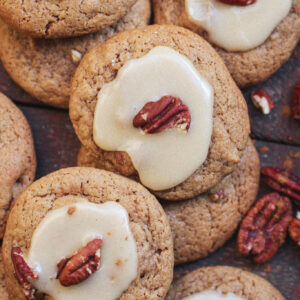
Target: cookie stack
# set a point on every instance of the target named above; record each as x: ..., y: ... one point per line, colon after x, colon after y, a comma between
x: 207, y: 178
x: 166, y: 169
x: 42, y: 44
x: 17, y: 164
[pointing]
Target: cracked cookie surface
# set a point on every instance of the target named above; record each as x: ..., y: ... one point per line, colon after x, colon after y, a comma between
x: 230, y: 115
x: 249, y: 67
x: 203, y: 224
x: 62, y: 18
x: 44, y: 68
x: 248, y: 286
x: 147, y: 220
x: 17, y: 157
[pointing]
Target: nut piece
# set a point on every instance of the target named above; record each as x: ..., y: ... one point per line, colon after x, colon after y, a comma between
x: 283, y: 181
x: 264, y: 228
x: 165, y: 113
x: 81, y: 265
x: 76, y: 56
x: 296, y: 103
x: 294, y: 229
x: 218, y: 196
x: 262, y: 100
x: 238, y: 2
x: 23, y: 273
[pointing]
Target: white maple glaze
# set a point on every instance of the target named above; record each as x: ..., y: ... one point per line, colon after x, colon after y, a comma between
x: 164, y: 159
x: 212, y: 295
x: 61, y: 234
x: 237, y: 28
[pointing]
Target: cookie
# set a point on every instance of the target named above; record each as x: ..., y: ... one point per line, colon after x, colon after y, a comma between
x: 44, y: 68
x: 230, y: 116
x: 73, y: 187
x: 3, y: 292
x: 224, y: 280
x: 17, y: 157
x: 246, y: 67
x: 203, y: 224
x: 58, y: 19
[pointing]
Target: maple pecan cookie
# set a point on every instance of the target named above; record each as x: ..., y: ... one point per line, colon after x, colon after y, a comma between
x: 73, y: 213
x: 148, y: 65
x: 203, y: 224
x: 57, y: 19
x: 44, y: 68
x: 253, y: 45
x: 17, y: 156
x: 222, y: 282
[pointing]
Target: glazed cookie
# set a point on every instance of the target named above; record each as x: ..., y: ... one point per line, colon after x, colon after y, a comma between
x: 44, y: 68
x: 250, y: 52
x: 82, y: 210
x: 203, y: 224
x: 57, y: 19
x: 220, y: 283
x: 167, y: 68
x: 17, y: 156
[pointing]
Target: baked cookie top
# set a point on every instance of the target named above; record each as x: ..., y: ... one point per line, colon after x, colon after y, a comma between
x: 224, y: 280
x: 246, y: 67
x: 44, y: 68
x: 17, y: 156
x: 230, y: 116
x: 147, y: 222
x: 3, y: 292
x: 203, y: 224
x: 62, y: 18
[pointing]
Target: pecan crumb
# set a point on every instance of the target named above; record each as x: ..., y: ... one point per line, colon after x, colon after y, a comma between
x: 118, y: 262
x: 262, y: 100
x: 264, y: 149
x: 71, y: 210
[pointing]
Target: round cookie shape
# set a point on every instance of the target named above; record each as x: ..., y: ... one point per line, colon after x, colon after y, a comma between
x: 44, y: 68
x: 147, y: 221
x: 230, y: 118
x: 17, y: 157
x: 62, y: 18
x: 248, y: 67
x: 203, y: 224
x: 225, y: 280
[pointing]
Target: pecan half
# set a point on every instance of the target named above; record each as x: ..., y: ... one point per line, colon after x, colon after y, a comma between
x: 282, y: 181
x: 81, y: 265
x: 261, y: 99
x: 238, y: 2
x: 264, y: 228
x: 165, y: 113
x: 24, y: 274
x: 294, y: 229
x: 296, y: 103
